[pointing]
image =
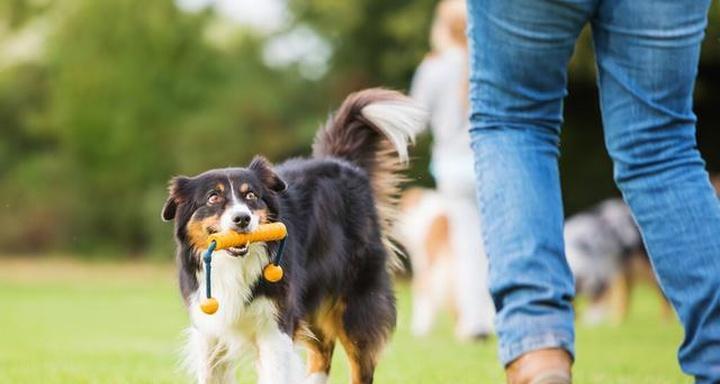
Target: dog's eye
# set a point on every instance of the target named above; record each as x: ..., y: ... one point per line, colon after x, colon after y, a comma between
x: 250, y: 196
x: 214, y: 198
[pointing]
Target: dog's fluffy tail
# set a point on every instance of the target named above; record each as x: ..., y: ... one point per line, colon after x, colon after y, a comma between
x: 373, y: 129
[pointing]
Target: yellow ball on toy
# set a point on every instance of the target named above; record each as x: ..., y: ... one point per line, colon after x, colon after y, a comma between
x: 273, y: 273
x: 209, y: 305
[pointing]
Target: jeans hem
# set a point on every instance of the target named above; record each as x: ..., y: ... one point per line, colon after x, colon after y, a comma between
x: 511, y: 351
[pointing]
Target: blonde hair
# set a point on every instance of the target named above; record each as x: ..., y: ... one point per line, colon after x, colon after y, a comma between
x: 449, y: 23
x: 448, y: 31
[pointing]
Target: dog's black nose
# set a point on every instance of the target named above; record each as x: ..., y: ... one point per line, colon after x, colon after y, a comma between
x: 242, y: 220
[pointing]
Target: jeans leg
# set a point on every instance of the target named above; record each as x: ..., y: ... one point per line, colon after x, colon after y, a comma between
x: 519, y: 50
x: 647, y: 53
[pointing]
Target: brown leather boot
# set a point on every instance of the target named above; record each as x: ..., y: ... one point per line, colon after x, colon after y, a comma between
x: 543, y: 366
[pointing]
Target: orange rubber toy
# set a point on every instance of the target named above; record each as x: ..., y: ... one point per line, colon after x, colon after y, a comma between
x: 272, y: 272
x: 265, y: 232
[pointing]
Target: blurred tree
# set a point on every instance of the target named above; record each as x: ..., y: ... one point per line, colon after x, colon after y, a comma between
x: 127, y: 93
x: 130, y: 93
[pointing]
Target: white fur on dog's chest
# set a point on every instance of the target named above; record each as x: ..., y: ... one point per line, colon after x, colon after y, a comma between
x: 216, y: 342
x: 232, y: 282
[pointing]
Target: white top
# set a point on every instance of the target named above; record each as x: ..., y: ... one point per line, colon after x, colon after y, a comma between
x: 439, y: 86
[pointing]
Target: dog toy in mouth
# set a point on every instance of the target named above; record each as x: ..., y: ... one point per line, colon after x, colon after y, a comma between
x: 272, y: 272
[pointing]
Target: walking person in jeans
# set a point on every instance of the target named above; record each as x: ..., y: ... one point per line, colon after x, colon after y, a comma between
x: 647, y: 57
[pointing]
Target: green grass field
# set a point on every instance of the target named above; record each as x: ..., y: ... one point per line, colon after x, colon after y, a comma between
x: 66, y: 322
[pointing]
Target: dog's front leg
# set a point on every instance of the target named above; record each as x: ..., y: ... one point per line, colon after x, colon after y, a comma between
x: 208, y: 359
x: 278, y: 361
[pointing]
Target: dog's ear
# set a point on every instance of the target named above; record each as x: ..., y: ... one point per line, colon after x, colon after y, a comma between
x: 262, y: 167
x: 178, y: 192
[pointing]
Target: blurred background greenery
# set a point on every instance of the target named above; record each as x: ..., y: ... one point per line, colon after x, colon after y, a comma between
x: 101, y: 102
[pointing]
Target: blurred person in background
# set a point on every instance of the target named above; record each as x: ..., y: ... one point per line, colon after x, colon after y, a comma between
x: 647, y: 58
x: 440, y: 85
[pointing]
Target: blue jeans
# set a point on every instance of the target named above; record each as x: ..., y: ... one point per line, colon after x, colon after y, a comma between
x: 647, y: 57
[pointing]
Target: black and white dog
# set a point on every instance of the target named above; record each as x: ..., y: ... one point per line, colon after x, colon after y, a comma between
x: 338, y: 207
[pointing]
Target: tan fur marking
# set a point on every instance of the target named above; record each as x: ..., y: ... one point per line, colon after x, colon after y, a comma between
x: 262, y: 214
x: 411, y: 198
x: 618, y: 295
x: 197, y: 230
x: 328, y: 321
x: 362, y: 363
x: 220, y: 187
x: 324, y: 327
x: 385, y: 184
x: 317, y: 362
x: 437, y: 242
x: 320, y: 356
x: 244, y: 188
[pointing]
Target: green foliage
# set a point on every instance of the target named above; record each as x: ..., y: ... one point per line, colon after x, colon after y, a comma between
x: 127, y: 93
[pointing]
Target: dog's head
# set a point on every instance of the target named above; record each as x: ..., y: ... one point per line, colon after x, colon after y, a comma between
x: 219, y: 200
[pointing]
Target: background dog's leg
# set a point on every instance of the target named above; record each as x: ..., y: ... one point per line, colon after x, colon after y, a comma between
x: 643, y: 269
x: 278, y: 361
x: 620, y: 290
x: 469, y: 266
x: 666, y: 310
x: 423, y: 303
x: 208, y: 359
x: 436, y: 275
